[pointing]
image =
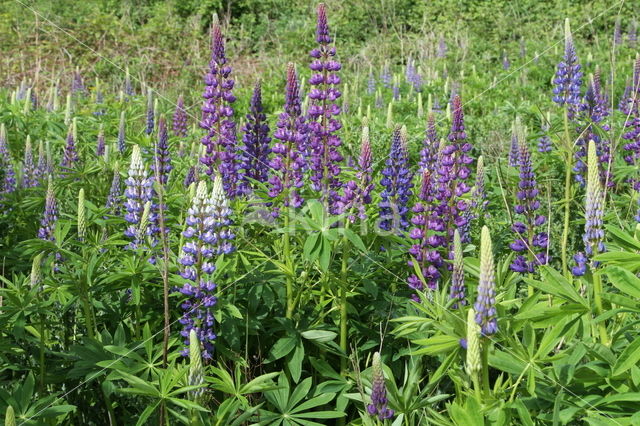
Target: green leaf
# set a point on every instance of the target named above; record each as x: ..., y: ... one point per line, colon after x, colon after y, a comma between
x: 321, y: 336
x: 436, y: 345
x: 282, y: 347
x: 624, y: 280
x: 295, y: 362
x: 628, y: 358
x: 355, y: 240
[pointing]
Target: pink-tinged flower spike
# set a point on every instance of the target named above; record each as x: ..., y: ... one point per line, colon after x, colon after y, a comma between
x: 29, y: 175
x: 70, y: 157
x: 357, y: 192
x: 568, y: 77
x: 180, y: 119
x: 324, y: 142
x: 217, y: 117
x: 485, y: 306
x: 255, y: 152
x: 288, y: 161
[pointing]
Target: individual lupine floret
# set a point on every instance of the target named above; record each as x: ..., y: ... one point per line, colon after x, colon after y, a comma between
x: 255, y: 152
x: 357, y: 192
x: 29, y: 173
x: 485, y: 306
x: 180, y: 119
x: 150, y: 112
x: 138, y: 192
x: 457, y: 292
x: 397, y: 186
x: 100, y: 144
x: 531, y: 242
x: 206, y: 236
x: 217, y: 117
x: 288, y: 161
x: 324, y: 157
x: 431, y: 145
x: 70, y: 155
x: 162, y: 159
x: 379, y: 406
x: 50, y: 215
x: 568, y: 78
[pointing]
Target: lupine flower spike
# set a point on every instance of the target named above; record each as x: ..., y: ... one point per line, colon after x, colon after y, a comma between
x: 150, y: 112
x: 8, y: 172
x: 162, y: 159
x: 568, y: 78
x: 217, y: 117
x: 397, y: 185
x: 81, y: 221
x: 255, y: 152
x: 379, y: 402
x: 138, y: 193
x: 357, y: 193
x: 29, y: 172
x: 70, y: 156
x: 180, y: 119
x: 485, y: 306
x: 50, y: 215
x: 323, y: 111
x: 196, y: 369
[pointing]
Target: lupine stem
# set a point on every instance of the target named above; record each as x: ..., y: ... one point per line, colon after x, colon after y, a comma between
x: 42, y: 350
x: 567, y: 195
x: 343, y: 300
x: 485, y: 369
x: 597, y: 297
x: 287, y: 259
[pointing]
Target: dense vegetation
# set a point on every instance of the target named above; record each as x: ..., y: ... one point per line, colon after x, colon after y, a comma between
x: 393, y: 213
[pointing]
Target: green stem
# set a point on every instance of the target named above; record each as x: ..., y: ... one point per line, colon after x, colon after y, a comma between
x: 597, y: 297
x: 343, y: 302
x: 567, y: 195
x: 288, y: 262
x: 110, y: 413
x: 42, y: 350
x: 485, y: 369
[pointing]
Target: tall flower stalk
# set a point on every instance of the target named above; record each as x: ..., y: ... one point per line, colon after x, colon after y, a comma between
x: 568, y: 78
x: 255, y: 152
x: 162, y: 158
x: 357, y: 192
x: 138, y: 193
x: 397, y: 185
x: 29, y: 172
x: 323, y: 111
x: 50, y: 215
x: 180, y: 119
x: 379, y: 406
x: 431, y: 145
x: 8, y: 172
x: 70, y: 155
x: 217, y: 117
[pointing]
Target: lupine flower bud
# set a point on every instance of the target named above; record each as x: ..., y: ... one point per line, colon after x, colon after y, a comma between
x: 594, y: 210
x: 390, y: 115
x: 36, y: 272
x: 68, y: 111
x: 10, y: 417
x: 82, y: 224
x: 379, y: 402
x: 485, y: 305
x: 196, y: 370
x: 457, y: 292
x: 474, y: 361
x: 128, y: 88
x: 122, y: 146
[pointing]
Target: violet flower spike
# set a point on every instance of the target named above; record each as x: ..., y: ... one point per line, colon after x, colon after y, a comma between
x: 568, y: 78
x: 397, y: 185
x: 379, y: 406
x: 100, y: 144
x: 138, y: 192
x: 150, y: 113
x: 50, y: 215
x: 29, y: 172
x: 485, y: 306
x: 255, y: 152
x: 70, y: 156
x: 357, y: 192
x: 180, y: 119
x: 431, y: 145
x: 323, y: 146
x: 162, y: 159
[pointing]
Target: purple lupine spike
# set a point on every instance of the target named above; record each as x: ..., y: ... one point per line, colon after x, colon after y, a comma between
x: 410, y: 70
x: 632, y: 36
x: 7, y: 171
x: 396, y: 90
x: 162, y: 159
x: 594, y: 207
x: 207, y: 235
x: 485, y: 306
x: 626, y: 100
x: 431, y: 145
x: 544, y: 142
x: 505, y: 61
x: 424, y: 247
x: 50, y: 215
x: 122, y: 145
x: 594, y: 109
x: 217, y: 117
x: 41, y: 167
x: 357, y: 192
x: 568, y: 78
x: 115, y: 194
x: 77, y: 83
x: 442, y: 48
x: 371, y: 83
x: 324, y: 157
x: 531, y: 240
x: 180, y: 119
x: 139, y: 190
x: 255, y: 152
x: 617, y: 32
x: 128, y: 87
x: 29, y: 177
x: 150, y: 113
x: 379, y: 406
x: 70, y: 156
x: 100, y: 145
x: 386, y: 77
x: 191, y: 176
x: 288, y: 161
x: 397, y: 185
x: 632, y: 121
